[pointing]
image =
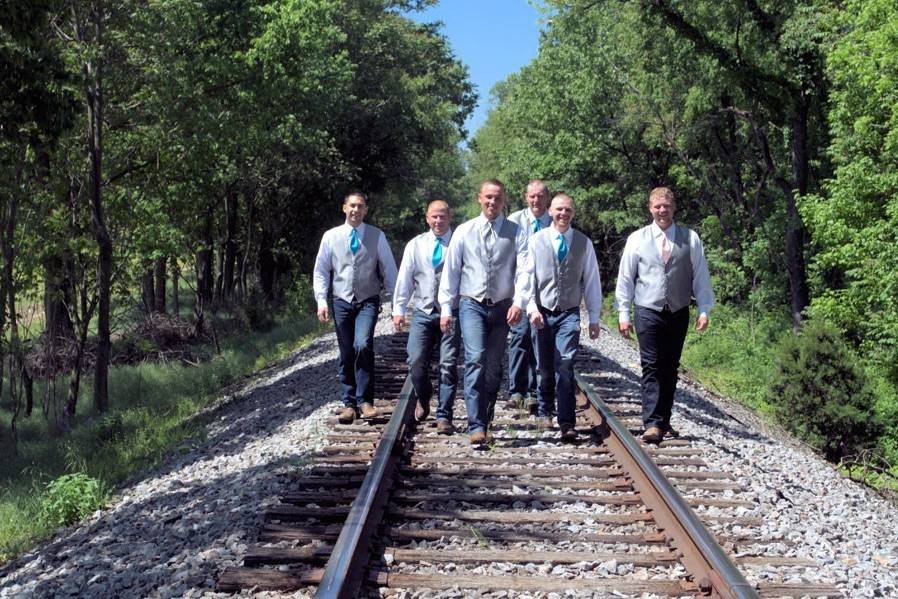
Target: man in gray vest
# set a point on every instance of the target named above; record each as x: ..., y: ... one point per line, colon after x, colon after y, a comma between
x: 419, y: 278
x: 353, y: 262
x: 487, y: 273
x: 521, y: 360
x: 565, y: 270
x: 662, y: 268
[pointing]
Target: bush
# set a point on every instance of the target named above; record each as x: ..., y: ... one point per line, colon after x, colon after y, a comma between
x: 820, y: 392
x: 70, y: 498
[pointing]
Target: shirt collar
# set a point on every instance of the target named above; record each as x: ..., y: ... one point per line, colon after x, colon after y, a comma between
x: 658, y: 231
x: 445, y: 236
x: 567, y: 234
x: 496, y: 223
x: 360, y: 229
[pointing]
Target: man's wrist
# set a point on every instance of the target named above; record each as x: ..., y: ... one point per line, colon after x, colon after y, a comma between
x: 322, y: 304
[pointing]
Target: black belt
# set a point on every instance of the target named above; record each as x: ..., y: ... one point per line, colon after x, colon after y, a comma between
x: 487, y: 301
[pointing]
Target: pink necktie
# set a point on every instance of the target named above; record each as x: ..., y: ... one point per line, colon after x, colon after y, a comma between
x: 665, y: 249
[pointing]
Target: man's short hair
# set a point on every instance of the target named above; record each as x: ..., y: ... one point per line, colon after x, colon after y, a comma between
x: 356, y: 193
x: 661, y: 192
x: 539, y: 182
x: 438, y: 203
x: 495, y: 182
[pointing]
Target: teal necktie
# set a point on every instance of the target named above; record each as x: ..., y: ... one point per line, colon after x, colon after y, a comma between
x: 562, y: 248
x: 537, y: 226
x: 437, y: 253
x: 354, y: 243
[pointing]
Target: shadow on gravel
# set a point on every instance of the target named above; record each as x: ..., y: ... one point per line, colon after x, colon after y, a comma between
x: 179, y: 524
x: 612, y: 380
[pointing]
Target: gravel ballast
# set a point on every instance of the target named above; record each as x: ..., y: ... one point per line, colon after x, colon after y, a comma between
x: 170, y: 533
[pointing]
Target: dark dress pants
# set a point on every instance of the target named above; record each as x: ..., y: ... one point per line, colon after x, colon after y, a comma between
x: 661, y: 335
x: 354, y: 322
x: 521, y: 359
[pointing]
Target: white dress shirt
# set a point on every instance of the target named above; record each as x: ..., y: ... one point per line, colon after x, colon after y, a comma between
x: 322, y: 274
x: 626, y: 280
x: 592, y: 282
x: 468, y: 232
x: 418, y: 255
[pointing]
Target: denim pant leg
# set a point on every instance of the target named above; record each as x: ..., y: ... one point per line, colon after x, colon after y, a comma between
x: 521, y: 361
x: 421, y: 338
x: 650, y: 335
x: 472, y: 320
x: 567, y: 341
x: 448, y: 370
x: 363, y: 344
x: 496, y: 334
x: 545, y: 364
x: 344, y: 325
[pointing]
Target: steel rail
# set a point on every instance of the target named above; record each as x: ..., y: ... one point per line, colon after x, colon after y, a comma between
x: 714, y: 572
x: 344, y: 572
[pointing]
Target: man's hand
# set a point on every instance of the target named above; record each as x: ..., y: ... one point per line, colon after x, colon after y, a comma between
x: 624, y: 328
x: 397, y: 322
x: 446, y: 324
x: 537, y: 320
x: 701, y: 323
x: 594, y: 330
x: 513, y: 316
x: 323, y: 315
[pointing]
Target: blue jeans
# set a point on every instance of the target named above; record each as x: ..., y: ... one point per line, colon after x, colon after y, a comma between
x: 556, y: 347
x: 521, y: 361
x: 354, y: 323
x: 423, y: 335
x: 660, y: 335
x: 483, y: 332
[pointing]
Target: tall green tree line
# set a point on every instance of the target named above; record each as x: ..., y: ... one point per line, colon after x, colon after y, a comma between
x: 152, y: 140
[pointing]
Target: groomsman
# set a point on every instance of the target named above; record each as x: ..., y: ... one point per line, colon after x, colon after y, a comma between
x: 521, y: 359
x: 662, y: 268
x: 565, y: 271
x: 419, y: 277
x: 487, y: 272
x: 353, y: 262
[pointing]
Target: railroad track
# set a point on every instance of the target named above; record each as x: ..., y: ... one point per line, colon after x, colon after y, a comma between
x: 388, y: 505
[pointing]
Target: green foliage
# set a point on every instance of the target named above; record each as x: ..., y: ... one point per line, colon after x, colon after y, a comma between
x: 821, y: 393
x: 70, y: 498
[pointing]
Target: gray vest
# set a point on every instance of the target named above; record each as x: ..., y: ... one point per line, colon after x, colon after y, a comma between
x: 659, y: 284
x: 357, y: 276
x: 490, y: 276
x: 427, y: 278
x: 558, y: 286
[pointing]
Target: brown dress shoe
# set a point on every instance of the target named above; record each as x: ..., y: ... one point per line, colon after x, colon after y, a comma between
x: 368, y: 410
x: 515, y: 402
x: 422, y: 411
x: 346, y: 415
x: 478, y: 438
x: 568, y: 434
x: 444, y: 427
x: 671, y: 433
x: 653, y: 435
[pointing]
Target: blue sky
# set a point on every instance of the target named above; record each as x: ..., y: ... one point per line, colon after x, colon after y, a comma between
x: 494, y: 38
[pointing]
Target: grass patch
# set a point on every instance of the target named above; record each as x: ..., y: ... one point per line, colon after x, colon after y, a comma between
x: 151, y: 413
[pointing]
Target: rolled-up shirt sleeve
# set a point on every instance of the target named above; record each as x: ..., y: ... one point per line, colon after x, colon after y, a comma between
x: 321, y: 275
x: 626, y: 280
x: 592, y: 285
x: 451, y: 277
x: 523, y: 270
x: 405, y: 280
x: 701, y: 276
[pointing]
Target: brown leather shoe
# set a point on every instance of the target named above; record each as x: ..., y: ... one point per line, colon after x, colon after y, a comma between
x: 653, y: 434
x: 422, y: 411
x: 671, y: 433
x: 444, y: 427
x: 478, y: 439
x: 568, y: 434
x: 368, y: 410
x: 515, y: 402
x: 543, y: 422
x: 346, y: 415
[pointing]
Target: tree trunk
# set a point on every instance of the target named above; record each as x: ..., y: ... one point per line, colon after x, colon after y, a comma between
x: 175, y: 295
x: 204, y: 258
x: 160, y: 279
x: 94, y: 87
x: 796, y: 233
x: 230, y: 246
x: 267, y: 267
